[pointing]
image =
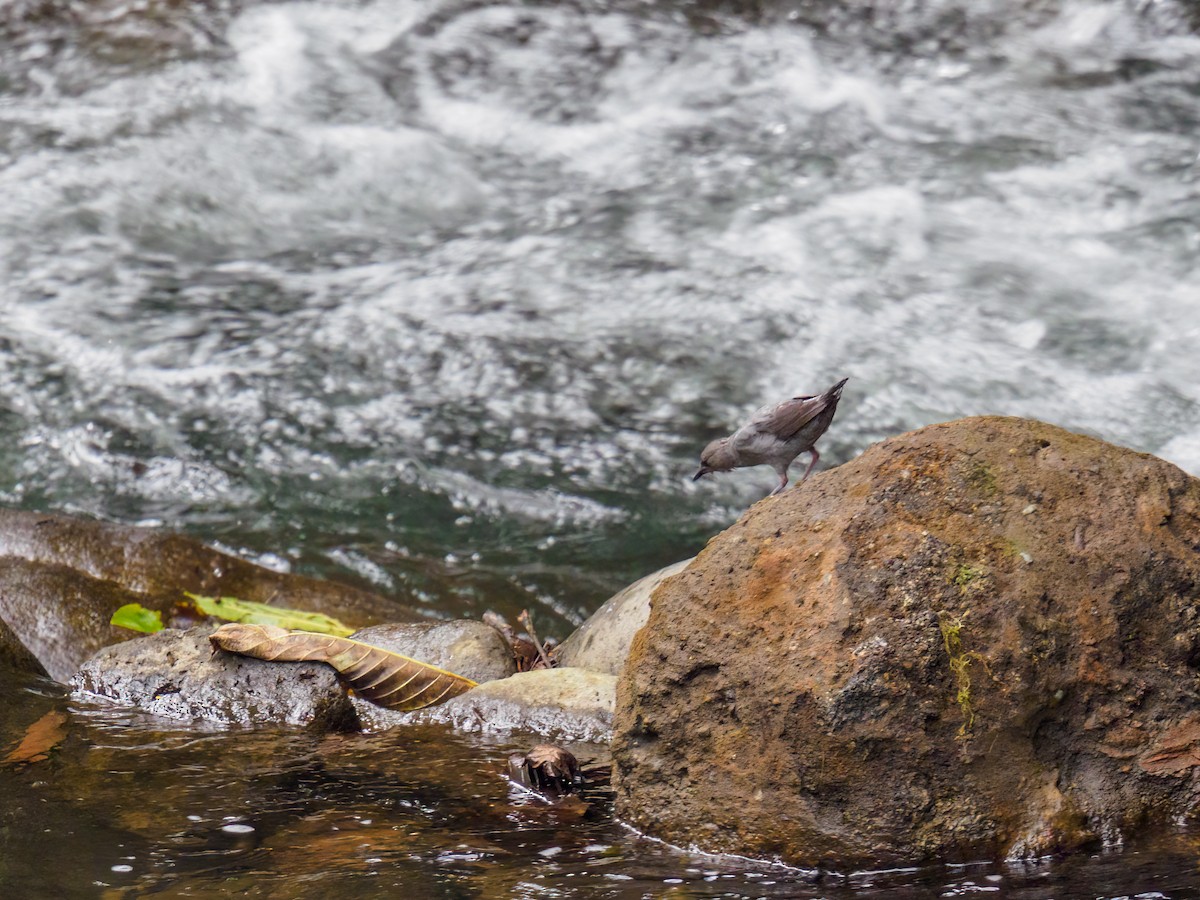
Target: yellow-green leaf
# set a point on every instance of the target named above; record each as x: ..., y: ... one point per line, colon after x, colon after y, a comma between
x: 376, y: 674
x: 136, y: 617
x: 248, y: 611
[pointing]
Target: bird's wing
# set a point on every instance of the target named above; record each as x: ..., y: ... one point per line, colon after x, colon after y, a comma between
x: 787, y: 418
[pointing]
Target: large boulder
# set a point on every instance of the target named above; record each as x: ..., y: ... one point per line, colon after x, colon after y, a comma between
x: 978, y: 639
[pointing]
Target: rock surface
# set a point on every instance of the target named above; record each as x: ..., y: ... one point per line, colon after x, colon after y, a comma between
x: 61, y: 579
x: 14, y: 656
x: 467, y: 648
x: 601, y: 644
x: 61, y: 615
x: 565, y: 704
x: 978, y: 639
x: 177, y: 675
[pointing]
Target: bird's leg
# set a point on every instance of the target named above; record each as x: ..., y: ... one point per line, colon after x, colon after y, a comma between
x: 812, y: 462
x: 783, y: 480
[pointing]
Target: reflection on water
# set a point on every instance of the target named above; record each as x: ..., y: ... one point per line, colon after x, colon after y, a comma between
x: 444, y: 297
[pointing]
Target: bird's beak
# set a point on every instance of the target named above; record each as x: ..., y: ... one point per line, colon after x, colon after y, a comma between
x: 704, y: 470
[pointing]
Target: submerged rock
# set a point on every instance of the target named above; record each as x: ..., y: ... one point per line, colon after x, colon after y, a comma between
x: 977, y: 639
x: 470, y: 649
x: 177, y: 675
x: 62, y: 578
x: 602, y: 642
x: 566, y: 704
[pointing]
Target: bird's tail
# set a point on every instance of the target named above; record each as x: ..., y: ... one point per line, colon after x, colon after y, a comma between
x: 835, y: 392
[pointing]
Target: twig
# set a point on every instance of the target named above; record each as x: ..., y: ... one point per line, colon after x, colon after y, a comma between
x: 527, y: 620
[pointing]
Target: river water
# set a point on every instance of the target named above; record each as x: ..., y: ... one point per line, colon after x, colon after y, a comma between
x: 443, y: 298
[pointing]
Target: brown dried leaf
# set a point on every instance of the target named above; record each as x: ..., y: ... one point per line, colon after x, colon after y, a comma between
x: 378, y: 675
x: 40, y: 739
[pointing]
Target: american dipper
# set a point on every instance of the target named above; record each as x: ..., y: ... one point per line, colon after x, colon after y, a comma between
x: 775, y: 436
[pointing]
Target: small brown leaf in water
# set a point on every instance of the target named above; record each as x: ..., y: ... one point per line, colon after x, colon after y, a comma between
x: 381, y: 676
x: 40, y: 739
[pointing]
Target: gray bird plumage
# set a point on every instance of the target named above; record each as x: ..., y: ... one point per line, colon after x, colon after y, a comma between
x: 775, y: 436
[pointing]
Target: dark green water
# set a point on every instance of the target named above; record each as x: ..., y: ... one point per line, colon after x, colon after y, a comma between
x: 443, y: 298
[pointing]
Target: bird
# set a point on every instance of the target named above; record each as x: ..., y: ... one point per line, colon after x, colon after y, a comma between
x: 775, y: 436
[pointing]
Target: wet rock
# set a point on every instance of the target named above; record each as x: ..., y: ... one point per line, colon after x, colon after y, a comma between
x: 61, y: 579
x: 567, y: 704
x: 164, y: 564
x: 177, y: 675
x: 601, y: 644
x: 977, y: 639
x: 61, y: 615
x: 14, y: 657
x: 470, y: 649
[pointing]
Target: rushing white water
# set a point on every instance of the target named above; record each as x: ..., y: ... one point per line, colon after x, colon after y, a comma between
x: 442, y: 289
